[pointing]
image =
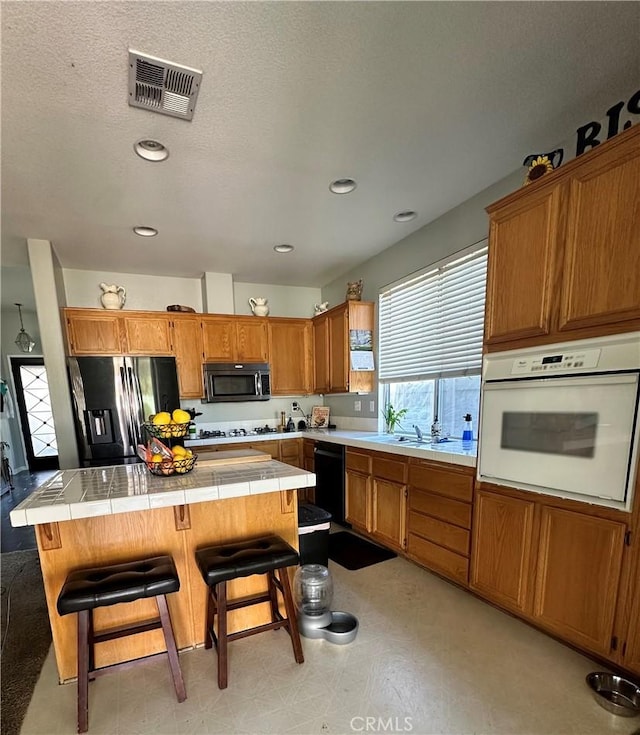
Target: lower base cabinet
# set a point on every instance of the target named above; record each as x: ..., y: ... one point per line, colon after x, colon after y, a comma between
x: 439, y: 517
x: 375, y: 502
x: 501, y: 564
x: 555, y: 566
x: 579, y: 564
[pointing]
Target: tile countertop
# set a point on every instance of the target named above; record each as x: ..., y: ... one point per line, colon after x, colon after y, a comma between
x: 99, y: 491
x: 448, y: 451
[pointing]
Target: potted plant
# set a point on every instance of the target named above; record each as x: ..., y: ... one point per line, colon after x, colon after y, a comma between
x: 392, y: 417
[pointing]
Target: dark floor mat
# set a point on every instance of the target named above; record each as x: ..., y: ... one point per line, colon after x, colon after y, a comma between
x: 353, y: 552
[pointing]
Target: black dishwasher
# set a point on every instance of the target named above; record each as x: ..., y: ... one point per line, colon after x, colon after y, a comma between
x: 329, y: 469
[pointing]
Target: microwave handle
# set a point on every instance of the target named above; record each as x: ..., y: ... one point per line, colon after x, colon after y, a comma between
x: 258, y: 384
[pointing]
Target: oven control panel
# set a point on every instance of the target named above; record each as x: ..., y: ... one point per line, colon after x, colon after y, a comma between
x: 559, y: 362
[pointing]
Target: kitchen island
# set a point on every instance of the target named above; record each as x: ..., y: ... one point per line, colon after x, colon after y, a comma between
x: 105, y: 515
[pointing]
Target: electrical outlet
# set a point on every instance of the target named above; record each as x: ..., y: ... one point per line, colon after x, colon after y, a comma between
x: 295, y: 405
x: 357, y: 405
x: 372, y: 406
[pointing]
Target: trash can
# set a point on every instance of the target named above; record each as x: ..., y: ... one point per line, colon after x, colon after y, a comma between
x: 313, y: 534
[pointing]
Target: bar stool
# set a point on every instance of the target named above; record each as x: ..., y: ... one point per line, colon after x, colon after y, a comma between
x: 219, y: 564
x: 86, y: 589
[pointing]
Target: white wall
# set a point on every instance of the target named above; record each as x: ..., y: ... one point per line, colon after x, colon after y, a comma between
x: 145, y: 292
x: 293, y: 301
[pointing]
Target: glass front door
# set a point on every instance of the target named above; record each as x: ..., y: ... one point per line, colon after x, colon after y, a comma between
x: 36, y: 418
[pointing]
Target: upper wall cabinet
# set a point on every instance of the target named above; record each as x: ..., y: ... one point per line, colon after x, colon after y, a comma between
x: 291, y: 348
x: 331, y: 337
x: 564, y: 253
x: 187, y: 344
x: 95, y: 332
x: 230, y: 338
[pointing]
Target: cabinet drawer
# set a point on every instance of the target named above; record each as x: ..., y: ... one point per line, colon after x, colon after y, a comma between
x: 435, y: 557
x: 443, y: 482
x: 445, y: 509
x: 441, y: 533
x: 358, y: 462
x: 390, y: 469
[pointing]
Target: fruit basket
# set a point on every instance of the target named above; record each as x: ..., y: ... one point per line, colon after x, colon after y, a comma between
x: 167, y: 431
x: 175, y: 466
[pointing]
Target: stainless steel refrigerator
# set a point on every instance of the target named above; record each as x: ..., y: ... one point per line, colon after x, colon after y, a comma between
x: 112, y: 398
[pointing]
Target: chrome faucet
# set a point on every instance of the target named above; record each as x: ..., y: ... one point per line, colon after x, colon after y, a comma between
x: 418, y: 432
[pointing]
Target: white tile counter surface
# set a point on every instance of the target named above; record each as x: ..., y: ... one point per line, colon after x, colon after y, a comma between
x: 99, y: 491
x: 450, y: 451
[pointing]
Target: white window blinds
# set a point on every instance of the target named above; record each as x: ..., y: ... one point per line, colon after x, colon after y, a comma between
x: 431, y: 324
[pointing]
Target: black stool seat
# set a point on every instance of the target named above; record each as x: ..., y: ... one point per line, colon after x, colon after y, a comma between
x: 86, y: 589
x: 245, y: 558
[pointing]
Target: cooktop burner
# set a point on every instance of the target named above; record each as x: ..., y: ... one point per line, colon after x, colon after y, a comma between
x: 265, y: 430
x: 204, y: 434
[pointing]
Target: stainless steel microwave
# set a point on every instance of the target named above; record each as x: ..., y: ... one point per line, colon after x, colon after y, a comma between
x: 229, y: 381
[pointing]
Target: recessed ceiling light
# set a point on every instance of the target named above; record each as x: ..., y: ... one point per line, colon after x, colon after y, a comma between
x: 283, y: 248
x: 405, y: 216
x: 151, y: 150
x: 145, y: 231
x: 342, y: 186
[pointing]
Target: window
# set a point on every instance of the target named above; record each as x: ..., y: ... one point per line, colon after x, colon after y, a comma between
x: 430, y: 349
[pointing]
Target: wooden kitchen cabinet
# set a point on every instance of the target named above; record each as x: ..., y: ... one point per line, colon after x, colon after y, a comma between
x: 331, y: 332
x: 147, y: 334
x: 439, y: 517
x: 389, y: 500
x: 231, y: 338
x: 187, y: 345
x: 578, y: 572
x: 358, y: 490
x: 376, y: 492
x: 503, y: 548
x: 564, y: 252
x: 291, y: 347
x: 629, y: 655
x: 92, y: 332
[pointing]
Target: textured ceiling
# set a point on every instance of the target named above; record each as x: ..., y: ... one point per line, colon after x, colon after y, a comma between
x: 423, y: 103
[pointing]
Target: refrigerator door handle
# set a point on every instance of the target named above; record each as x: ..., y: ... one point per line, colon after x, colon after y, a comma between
x: 126, y: 409
x: 137, y: 408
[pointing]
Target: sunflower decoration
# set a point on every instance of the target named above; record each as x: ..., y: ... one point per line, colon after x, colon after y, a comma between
x: 541, y: 163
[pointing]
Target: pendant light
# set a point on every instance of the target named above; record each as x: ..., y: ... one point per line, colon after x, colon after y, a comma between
x: 24, y: 340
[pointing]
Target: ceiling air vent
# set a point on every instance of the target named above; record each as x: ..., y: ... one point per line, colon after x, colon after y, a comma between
x: 162, y: 86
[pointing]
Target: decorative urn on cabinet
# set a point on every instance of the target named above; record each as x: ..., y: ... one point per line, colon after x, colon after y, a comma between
x: 113, y: 297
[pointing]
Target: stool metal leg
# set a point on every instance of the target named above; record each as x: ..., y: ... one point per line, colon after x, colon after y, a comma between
x: 292, y: 625
x: 83, y: 670
x: 221, y: 597
x: 172, y: 649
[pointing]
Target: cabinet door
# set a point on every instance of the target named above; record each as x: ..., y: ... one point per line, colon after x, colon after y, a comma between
x: 358, y: 500
x: 147, y: 335
x: 291, y: 452
x: 291, y: 359
x: 631, y: 651
x: 502, y: 548
x: 321, y: 354
x: 187, y: 345
x: 219, y: 339
x: 579, y: 563
x: 388, y: 512
x: 338, y: 352
x: 523, y: 241
x: 93, y: 334
x: 252, y: 340
x: 602, y: 258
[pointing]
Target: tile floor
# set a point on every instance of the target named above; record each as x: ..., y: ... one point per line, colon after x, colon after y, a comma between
x: 426, y: 651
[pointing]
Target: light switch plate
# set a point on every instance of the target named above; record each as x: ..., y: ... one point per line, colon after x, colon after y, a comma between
x: 357, y: 405
x: 372, y: 406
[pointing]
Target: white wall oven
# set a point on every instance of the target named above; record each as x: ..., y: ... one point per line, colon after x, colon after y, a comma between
x: 563, y: 419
